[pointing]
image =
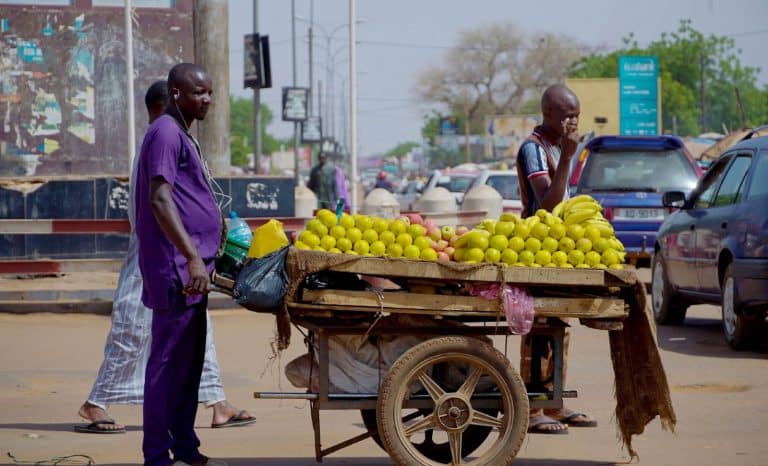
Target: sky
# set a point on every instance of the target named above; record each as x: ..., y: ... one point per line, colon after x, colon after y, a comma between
x: 399, y: 38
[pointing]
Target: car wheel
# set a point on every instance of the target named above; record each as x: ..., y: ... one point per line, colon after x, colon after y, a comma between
x: 668, y: 308
x: 737, y: 328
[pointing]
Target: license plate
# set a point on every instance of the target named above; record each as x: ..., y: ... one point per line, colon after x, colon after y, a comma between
x: 639, y: 214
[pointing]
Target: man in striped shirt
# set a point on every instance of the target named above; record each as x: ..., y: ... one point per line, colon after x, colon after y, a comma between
x: 543, y: 162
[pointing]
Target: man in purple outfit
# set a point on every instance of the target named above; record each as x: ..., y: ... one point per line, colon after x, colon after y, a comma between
x: 179, y: 228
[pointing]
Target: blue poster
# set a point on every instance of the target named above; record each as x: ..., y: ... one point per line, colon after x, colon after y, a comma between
x: 638, y: 95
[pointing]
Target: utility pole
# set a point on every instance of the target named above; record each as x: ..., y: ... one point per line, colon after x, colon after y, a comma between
x: 256, y: 104
x: 353, y: 101
x: 701, y: 94
x: 129, y: 82
x: 741, y: 109
x: 295, y: 123
x: 211, y: 36
x: 467, y: 152
x: 311, y: 66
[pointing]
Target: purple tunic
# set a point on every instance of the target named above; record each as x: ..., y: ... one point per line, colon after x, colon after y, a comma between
x: 168, y: 152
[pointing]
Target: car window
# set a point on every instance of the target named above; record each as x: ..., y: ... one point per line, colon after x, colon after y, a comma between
x: 708, y: 187
x: 645, y: 170
x: 730, y: 188
x: 455, y: 184
x: 759, y: 185
x: 506, y: 185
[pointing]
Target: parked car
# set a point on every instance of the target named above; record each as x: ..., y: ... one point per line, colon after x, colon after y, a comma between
x: 407, y: 193
x: 627, y: 175
x: 506, y: 183
x: 714, y: 249
x: 455, y: 181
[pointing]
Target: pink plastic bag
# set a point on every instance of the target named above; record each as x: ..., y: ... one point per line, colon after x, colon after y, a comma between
x: 518, y: 304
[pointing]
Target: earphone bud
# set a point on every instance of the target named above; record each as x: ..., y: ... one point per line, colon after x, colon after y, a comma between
x: 176, y: 96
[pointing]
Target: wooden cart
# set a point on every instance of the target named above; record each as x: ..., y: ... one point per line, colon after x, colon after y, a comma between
x: 420, y: 415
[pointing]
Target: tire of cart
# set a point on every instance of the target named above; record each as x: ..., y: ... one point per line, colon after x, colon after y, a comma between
x: 429, y: 443
x: 451, y: 371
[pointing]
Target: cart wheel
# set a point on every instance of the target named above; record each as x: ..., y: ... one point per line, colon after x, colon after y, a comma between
x: 429, y: 443
x: 452, y: 414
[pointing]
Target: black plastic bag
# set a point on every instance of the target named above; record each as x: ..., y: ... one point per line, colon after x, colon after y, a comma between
x: 263, y: 282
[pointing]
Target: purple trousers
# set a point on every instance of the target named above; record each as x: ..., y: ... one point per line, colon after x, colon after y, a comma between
x: 171, y: 382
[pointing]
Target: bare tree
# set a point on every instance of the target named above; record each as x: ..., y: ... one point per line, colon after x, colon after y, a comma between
x: 495, y: 69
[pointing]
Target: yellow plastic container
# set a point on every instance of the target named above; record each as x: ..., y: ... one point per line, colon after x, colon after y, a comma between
x: 268, y: 238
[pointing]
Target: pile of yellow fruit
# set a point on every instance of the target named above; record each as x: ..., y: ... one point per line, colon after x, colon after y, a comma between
x: 410, y: 236
x: 575, y: 234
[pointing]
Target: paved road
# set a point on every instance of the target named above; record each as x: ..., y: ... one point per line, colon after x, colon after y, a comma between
x: 48, y: 361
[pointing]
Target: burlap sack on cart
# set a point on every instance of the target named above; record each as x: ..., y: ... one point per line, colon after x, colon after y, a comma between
x: 640, y: 383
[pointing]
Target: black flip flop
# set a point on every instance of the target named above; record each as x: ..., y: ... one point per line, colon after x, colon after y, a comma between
x: 93, y: 427
x: 569, y: 419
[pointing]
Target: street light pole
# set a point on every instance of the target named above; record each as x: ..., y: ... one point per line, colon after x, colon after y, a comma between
x: 129, y: 83
x: 353, y: 101
x: 256, y: 104
x: 295, y: 123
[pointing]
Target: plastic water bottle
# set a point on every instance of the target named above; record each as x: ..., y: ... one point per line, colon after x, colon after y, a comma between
x: 339, y: 209
x: 238, y: 230
x: 239, y: 237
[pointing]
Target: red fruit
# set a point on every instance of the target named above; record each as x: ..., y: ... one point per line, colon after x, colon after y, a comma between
x: 416, y: 219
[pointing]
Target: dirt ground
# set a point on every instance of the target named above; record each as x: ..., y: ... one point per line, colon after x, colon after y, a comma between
x: 48, y: 362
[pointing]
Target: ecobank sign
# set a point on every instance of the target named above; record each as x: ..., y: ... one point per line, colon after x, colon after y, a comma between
x: 638, y: 95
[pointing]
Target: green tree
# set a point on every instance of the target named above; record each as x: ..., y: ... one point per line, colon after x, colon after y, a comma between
x: 495, y: 69
x: 400, y: 151
x: 241, y: 130
x: 440, y: 157
x: 688, y: 61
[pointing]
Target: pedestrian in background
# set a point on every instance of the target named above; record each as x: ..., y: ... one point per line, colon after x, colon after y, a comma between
x: 342, y: 191
x: 382, y: 182
x: 322, y: 181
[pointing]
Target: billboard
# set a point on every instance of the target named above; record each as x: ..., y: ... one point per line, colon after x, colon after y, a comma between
x: 295, y: 103
x: 639, y: 95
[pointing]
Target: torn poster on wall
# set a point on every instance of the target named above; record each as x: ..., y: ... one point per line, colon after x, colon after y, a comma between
x: 62, y: 85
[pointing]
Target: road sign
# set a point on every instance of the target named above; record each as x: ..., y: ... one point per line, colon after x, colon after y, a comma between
x: 256, y: 64
x: 311, y: 130
x: 639, y: 95
x: 295, y: 103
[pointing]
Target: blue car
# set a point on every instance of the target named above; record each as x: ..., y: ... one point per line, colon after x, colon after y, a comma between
x: 714, y: 249
x: 627, y: 175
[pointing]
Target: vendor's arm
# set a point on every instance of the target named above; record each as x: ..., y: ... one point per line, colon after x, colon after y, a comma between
x: 550, y: 191
x: 169, y: 220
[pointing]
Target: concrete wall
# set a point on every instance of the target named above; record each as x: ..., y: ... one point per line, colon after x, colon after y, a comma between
x: 107, y: 198
x: 62, y: 82
x: 599, y: 97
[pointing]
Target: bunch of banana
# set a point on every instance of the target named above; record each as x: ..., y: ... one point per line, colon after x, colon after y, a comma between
x: 578, y: 209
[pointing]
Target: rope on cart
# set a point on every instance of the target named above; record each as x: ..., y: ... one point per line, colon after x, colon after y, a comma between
x: 380, y: 298
x: 84, y: 460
